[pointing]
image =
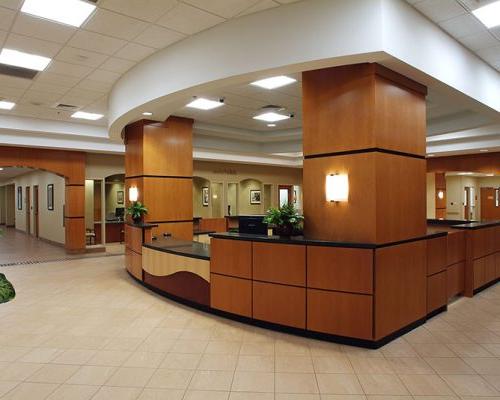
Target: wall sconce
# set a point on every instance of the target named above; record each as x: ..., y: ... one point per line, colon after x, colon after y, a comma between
x: 133, y: 194
x: 337, y: 187
x: 440, y: 195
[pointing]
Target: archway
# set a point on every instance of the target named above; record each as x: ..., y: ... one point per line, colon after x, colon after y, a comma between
x: 71, y: 166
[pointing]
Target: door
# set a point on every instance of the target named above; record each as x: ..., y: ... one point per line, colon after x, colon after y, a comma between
x: 285, y: 193
x: 36, y: 220
x: 28, y: 210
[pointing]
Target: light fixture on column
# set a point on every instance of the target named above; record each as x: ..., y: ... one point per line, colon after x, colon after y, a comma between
x: 337, y: 187
x: 133, y: 194
x: 441, y: 195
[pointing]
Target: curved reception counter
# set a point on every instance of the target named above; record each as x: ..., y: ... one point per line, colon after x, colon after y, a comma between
x: 354, y: 293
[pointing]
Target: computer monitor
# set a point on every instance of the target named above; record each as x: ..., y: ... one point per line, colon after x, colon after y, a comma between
x: 252, y: 224
x: 120, y: 212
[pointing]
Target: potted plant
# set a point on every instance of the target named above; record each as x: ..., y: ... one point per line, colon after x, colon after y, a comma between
x: 137, y: 211
x: 285, y: 220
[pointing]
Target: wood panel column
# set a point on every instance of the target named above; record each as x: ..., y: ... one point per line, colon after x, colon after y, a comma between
x: 368, y: 122
x: 159, y: 162
x: 440, y: 195
x: 74, y: 217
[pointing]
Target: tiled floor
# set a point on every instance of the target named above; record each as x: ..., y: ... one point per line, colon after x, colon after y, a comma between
x: 83, y: 329
x: 18, y: 247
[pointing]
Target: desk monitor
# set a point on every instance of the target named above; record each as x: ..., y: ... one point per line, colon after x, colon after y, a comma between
x: 253, y: 225
x: 120, y: 212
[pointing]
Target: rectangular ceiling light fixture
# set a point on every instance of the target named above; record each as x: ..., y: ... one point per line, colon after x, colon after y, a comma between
x: 69, y: 12
x: 204, y: 104
x: 274, y: 82
x: 24, y: 60
x: 489, y: 14
x: 271, y: 117
x: 6, y: 105
x: 86, y: 115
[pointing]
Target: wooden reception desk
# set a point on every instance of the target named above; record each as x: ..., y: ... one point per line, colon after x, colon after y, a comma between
x: 356, y: 293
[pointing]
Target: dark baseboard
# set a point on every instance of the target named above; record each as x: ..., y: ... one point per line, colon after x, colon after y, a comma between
x: 486, y: 286
x: 437, y: 311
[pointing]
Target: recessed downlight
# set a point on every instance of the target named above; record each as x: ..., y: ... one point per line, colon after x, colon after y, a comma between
x: 86, y: 115
x: 6, y: 105
x: 489, y: 14
x: 271, y: 116
x: 430, y: 155
x: 484, y: 150
x: 271, y: 125
x: 201, y: 103
x: 24, y: 60
x: 68, y: 12
x: 274, y: 82
x: 147, y: 113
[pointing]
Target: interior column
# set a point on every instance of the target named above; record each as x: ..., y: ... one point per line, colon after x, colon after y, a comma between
x: 367, y: 122
x: 159, y: 162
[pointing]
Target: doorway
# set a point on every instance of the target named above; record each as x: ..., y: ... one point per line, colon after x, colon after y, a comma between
x: 28, y: 210
x: 36, y: 221
x: 285, y: 193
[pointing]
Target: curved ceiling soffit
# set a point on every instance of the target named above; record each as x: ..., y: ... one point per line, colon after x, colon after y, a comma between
x: 297, y: 37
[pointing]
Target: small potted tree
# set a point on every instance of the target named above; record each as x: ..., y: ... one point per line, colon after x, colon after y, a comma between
x: 137, y: 211
x: 285, y: 221
x: 7, y: 291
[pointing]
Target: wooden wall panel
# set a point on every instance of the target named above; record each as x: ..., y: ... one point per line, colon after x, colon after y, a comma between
x: 436, y: 255
x: 497, y: 264
x: 479, y: 271
x: 337, y: 313
x: 279, y: 304
x: 279, y: 263
x: 401, y: 286
x: 485, y: 162
x: 133, y: 263
x: 213, y: 224
x: 455, y: 279
x: 178, y: 230
x: 231, y: 294
x: 437, y: 295
x: 455, y: 247
x: 134, y: 154
x: 74, y: 201
x: 74, y: 235
x: 165, y: 199
x: 344, y: 269
x: 133, y: 238
x: 490, y: 273
x: 231, y: 257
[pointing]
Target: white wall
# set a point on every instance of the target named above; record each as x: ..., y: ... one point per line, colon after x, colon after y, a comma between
x: 2, y: 205
x: 100, y: 166
x: 431, y: 193
x: 51, y: 222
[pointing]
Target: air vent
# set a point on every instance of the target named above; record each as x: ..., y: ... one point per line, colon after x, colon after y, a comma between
x: 17, y: 72
x: 65, y: 107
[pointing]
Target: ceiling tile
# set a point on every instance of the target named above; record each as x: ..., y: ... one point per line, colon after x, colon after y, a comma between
x: 10, y: 81
x: 10, y: 93
x: 134, y: 52
x: 119, y: 65
x: 116, y: 25
x: 461, y: 26
x: 223, y: 8
x: 86, y: 95
x: 189, y: 20
x: 96, y: 42
x: 13, y: 4
x: 441, y: 10
x: 81, y: 57
x: 57, y: 79
x: 63, y: 68
x: 6, y: 17
x: 36, y: 98
x: 32, y: 45
x: 158, y: 37
x: 3, y: 36
x: 479, y: 40
x: 97, y: 86
x: 74, y: 101
x: 42, y: 29
x: 103, y: 76
x: 490, y: 54
x: 147, y: 10
x: 260, y: 6
x: 48, y: 87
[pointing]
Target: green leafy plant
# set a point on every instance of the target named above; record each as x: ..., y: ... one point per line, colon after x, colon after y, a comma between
x: 285, y: 220
x: 137, y: 210
x: 7, y: 291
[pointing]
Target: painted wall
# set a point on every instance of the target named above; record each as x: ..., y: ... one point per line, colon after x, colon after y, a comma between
x: 89, y: 204
x: 2, y: 205
x: 198, y: 209
x: 50, y: 222
x: 244, y: 206
x: 100, y: 166
x: 431, y: 193
x: 10, y: 206
x: 112, y: 198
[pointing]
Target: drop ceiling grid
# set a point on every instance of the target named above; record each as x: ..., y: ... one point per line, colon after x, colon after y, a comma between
x: 87, y: 61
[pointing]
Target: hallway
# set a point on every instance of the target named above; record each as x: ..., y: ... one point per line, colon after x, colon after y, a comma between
x: 83, y: 329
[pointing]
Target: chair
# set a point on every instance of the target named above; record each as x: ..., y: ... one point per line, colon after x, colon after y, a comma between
x: 90, y: 236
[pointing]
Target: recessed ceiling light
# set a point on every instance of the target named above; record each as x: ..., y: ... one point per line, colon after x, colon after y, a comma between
x: 271, y: 125
x: 484, y: 150
x: 69, y: 12
x: 271, y: 117
x: 465, y: 173
x: 6, y: 105
x: 489, y: 14
x: 274, y: 82
x: 1, y: 169
x: 86, y: 115
x: 23, y: 60
x: 430, y: 155
x: 147, y: 113
x: 490, y: 174
x: 204, y: 104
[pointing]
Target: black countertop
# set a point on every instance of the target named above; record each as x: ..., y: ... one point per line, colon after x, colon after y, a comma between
x: 142, y: 225
x: 477, y: 225
x: 181, y: 248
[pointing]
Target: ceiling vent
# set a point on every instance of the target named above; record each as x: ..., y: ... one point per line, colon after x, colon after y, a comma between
x: 65, y: 107
x: 17, y: 72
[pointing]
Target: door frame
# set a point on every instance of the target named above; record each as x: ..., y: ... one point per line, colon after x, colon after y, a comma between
x: 28, y: 209
x: 36, y: 211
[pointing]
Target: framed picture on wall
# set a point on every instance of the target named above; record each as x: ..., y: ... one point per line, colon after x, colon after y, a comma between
x: 120, y: 197
x: 255, y: 196
x: 204, y: 196
x: 50, y: 197
x: 19, y: 198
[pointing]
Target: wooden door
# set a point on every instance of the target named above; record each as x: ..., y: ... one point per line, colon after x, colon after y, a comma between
x: 28, y: 210
x: 285, y: 194
x: 489, y: 211
x: 36, y: 219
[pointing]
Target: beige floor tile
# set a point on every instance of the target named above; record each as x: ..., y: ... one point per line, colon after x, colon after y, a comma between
x: 409, y: 365
x: 18, y: 371
x: 223, y: 347
x: 6, y: 386
x: 74, y: 356
x: 170, y: 379
x: 218, y: 362
x: 12, y: 353
x: 469, y: 350
x: 398, y: 348
x: 206, y: 395
x: 485, y: 366
x: 449, y: 365
x: 338, y: 364
x: 296, y: 383
x: 123, y: 344
x: 117, y: 393
x: 492, y: 348
x: 53, y: 373
x: 493, y: 380
x: 255, y: 363
x: 341, y: 384
x: 343, y: 397
x: 291, y: 348
x: 351, y: 351
x: 153, y: 345
x: 41, y: 355
x: 440, y: 398
x: 371, y: 365
x: 382, y: 384
x: 293, y: 363
x: 252, y: 396
x: 73, y: 392
x: 434, y: 350
x: 426, y: 385
x: 161, y: 394
x: 257, y: 349
x: 180, y: 361
x: 189, y: 346
x: 31, y: 391
x: 130, y: 377
x: 251, y: 381
x: 144, y: 360
x: 111, y: 358
x: 297, y: 396
x: 211, y: 380
x: 91, y: 375
x: 470, y: 385
x: 386, y: 397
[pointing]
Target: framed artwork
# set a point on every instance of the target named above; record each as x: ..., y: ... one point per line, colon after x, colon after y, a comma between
x: 50, y: 197
x: 19, y: 198
x: 294, y: 197
x: 204, y: 196
x: 120, y: 197
x: 255, y: 196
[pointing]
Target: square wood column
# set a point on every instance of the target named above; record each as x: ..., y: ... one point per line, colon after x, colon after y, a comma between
x: 159, y: 162
x: 367, y: 122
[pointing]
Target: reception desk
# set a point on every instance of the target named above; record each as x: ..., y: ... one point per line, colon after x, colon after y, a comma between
x: 355, y: 293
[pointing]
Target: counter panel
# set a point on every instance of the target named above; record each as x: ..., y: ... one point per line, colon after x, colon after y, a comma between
x: 231, y: 257
x: 230, y: 294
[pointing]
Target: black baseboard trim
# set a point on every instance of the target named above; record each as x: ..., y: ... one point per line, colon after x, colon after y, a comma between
x: 365, y: 343
x: 486, y: 286
x: 437, y: 311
